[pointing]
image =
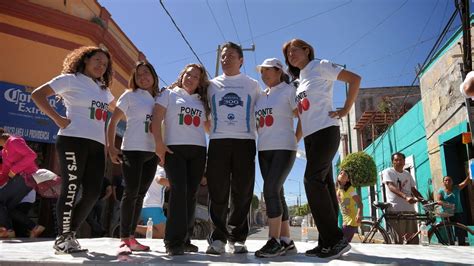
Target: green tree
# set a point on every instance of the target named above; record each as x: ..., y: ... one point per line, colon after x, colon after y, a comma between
x: 255, y: 202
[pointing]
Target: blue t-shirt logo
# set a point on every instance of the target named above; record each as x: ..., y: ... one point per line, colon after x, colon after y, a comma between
x: 231, y: 100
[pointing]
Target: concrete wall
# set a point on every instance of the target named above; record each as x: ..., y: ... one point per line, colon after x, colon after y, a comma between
x: 441, y: 98
x: 408, y: 136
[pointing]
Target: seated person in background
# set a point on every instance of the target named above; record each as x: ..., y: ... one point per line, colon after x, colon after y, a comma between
x: 467, y: 86
x: 18, y: 166
x: 153, y: 205
x: 22, y: 224
x: 449, y: 195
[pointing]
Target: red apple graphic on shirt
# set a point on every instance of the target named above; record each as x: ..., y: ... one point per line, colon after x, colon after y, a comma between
x: 305, y: 104
x: 196, y: 121
x: 188, y: 119
x: 269, y: 120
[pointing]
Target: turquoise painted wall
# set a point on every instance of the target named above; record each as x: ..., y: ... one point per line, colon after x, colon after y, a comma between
x: 408, y: 136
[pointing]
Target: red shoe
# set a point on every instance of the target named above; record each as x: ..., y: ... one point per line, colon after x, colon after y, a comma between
x: 135, y: 246
x: 124, y: 248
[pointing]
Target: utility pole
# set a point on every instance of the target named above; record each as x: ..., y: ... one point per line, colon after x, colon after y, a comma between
x: 349, y: 131
x: 219, y: 56
x: 463, y: 8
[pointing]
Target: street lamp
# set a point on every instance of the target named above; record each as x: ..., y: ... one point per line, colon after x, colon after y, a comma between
x: 299, y: 190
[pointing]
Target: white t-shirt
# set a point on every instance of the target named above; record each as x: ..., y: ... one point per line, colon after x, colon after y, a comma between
x: 232, y: 101
x: 404, y: 182
x: 184, y: 118
x: 86, y: 105
x: 274, y: 118
x: 461, y: 87
x: 138, y: 108
x: 155, y: 196
x: 314, y: 95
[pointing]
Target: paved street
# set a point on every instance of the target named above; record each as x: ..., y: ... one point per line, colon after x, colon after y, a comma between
x: 102, y: 252
x: 295, y: 232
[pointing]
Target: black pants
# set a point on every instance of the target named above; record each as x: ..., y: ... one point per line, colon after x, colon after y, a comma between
x: 275, y: 165
x: 230, y: 169
x: 184, y: 169
x: 139, y: 168
x: 22, y: 224
x: 321, y: 146
x: 10, y: 197
x: 82, y: 163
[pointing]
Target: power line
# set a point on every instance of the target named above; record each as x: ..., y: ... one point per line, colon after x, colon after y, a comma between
x: 372, y: 29
x: 232, y: 19
x: 215, y: 20
x: 235, y: 28
x: 444, y: 14
x: 269, y: 32
x: 396, y: 52
x: 182, y: 35
x: 251, y: 33
x: 419, y: 37
x: 163, y: 81
x: 429, y: 57
x: 188, y: 57
x: 300, y: 21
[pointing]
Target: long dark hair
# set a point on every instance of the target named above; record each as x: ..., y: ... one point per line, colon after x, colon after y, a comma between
x: 294, y: 71
x: 348, y: 183
x: 75, y: 63
x: 201, y: 89
x: 132, y: 82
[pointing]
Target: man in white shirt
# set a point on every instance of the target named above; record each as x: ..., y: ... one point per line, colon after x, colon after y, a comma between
x: 400, y: 183
x: 231, y: 154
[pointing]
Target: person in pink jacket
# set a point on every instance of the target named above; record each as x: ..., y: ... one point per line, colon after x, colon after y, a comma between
x: 18, y: 166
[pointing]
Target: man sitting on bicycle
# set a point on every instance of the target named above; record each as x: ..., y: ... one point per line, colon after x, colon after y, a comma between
x: 399, y: 183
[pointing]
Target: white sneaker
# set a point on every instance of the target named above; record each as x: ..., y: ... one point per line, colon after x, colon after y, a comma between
x: 237, y: 247
x: 67, y: 244
x: 217, y: 247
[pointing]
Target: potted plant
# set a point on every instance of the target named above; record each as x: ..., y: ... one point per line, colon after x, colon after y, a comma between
x: 361, y: 169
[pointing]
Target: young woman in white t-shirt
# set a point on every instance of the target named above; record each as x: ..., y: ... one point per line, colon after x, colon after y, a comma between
x: 320, y: 127
x: 83, y: 86
x: 183, y: 107
x: 275, y: 110
x: 138, y: 148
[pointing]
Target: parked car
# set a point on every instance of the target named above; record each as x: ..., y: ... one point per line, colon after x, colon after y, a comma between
x: 296, y: 220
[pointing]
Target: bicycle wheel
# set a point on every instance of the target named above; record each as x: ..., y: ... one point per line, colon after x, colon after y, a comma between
x: 450, y: 234
x: 369, y: 232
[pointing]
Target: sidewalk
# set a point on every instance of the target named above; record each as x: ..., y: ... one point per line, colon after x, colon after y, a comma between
x: 102, y: 252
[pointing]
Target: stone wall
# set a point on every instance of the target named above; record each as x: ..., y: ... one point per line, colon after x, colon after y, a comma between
x: 441, y: 97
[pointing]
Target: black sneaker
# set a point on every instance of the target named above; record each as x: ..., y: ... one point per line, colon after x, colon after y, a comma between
x: 175, y: 251
x: 188, y: 247
x: 335, y: 251
x: 288, y: 249
x: 314, y: 252
x: 271, y: 249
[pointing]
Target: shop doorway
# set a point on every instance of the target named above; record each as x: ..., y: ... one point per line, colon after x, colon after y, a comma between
x: 456, y: 161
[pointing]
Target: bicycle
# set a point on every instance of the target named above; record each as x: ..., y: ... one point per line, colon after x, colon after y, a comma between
x: 443, y: 232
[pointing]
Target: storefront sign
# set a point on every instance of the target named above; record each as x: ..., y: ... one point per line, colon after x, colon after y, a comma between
x: 20, y: 116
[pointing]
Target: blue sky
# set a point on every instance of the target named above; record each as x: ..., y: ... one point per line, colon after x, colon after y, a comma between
x: 381, y: 40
